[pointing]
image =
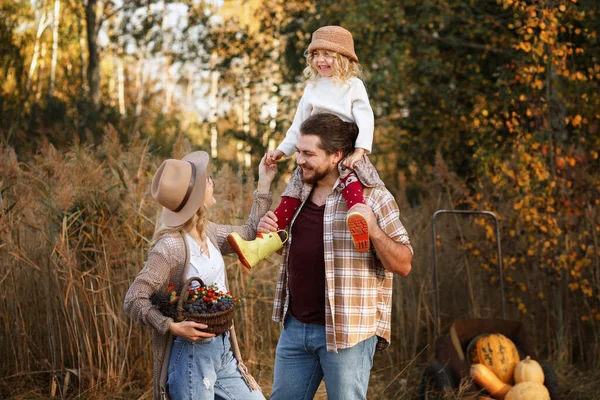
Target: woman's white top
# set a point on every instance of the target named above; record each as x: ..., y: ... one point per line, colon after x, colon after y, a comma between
x: 208, y: 267
x: 348, y: 100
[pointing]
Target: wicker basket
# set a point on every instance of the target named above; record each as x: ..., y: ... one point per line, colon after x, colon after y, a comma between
x: 218, y: 323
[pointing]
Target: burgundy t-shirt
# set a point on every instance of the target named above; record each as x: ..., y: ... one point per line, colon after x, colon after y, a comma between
x: 307, y: 265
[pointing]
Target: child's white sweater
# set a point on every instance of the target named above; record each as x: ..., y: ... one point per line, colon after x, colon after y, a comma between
x: 349, y: 101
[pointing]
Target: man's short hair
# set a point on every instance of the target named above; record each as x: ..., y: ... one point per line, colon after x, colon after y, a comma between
x: 335, y: 134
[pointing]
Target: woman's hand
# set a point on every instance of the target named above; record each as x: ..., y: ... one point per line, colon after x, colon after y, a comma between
x: 189, y: 330
x: 266, y: 174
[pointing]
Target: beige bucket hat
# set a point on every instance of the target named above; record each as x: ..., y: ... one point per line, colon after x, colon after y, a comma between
x: 333, y: 38
x: 179, y: 186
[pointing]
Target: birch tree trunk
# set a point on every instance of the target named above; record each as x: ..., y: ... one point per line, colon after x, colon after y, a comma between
x: 141, y: 80
x: 169, y: 86
x: 82, y: 46
x: 93, y: 69
x: 189, y: 86
x: 275, y: 79
x: 113, y: 95
x: 239, y: 146
x: 121, y: 71
x: 212, y: 101
x: 141, y: 84
x: 168, y: 78
x: 54, y: 47
x: 40, y: 72
x: 247, y: 155
x: 36, y: 52
x: 121, y: 84
x: 142, y: 68
x: 246, y: 111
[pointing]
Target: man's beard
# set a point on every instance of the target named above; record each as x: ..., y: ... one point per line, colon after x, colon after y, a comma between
x: 317, y: 175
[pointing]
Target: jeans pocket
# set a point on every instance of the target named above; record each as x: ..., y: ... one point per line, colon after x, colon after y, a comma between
x: 176, y: 353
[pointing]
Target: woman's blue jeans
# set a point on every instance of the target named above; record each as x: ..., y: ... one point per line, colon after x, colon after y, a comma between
x: 206, y: 370
x: 302, y: 361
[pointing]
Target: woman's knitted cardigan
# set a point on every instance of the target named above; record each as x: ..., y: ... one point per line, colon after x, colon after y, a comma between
x: 165, y: 264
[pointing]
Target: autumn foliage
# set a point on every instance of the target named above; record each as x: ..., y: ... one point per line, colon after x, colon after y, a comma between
x: 487, y: 105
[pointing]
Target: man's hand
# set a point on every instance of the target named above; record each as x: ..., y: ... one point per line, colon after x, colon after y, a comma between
x: 274, y: 156
x: 268, y: 223
x: 395, y: 256
x: 367, y: 212
x: 189, y: 330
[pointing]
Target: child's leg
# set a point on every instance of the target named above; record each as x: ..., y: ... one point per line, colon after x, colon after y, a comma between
x: 290, y: 200
x: 353, y: 191
x: 285, y: 211
x: 364, y: 173
x: 250, y: 252
x: 357, y: 224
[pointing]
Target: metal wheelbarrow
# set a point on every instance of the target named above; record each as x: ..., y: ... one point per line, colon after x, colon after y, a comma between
x: 443, y: 378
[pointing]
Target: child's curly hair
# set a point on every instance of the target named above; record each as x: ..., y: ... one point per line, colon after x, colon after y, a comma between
x: 344, y: 68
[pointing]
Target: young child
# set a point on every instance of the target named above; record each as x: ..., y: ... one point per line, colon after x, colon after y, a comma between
x: 334, y: 86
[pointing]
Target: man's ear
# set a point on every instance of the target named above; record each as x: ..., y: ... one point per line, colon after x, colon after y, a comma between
x: 337, y: 157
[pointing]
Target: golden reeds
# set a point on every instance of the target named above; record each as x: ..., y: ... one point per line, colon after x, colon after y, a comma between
x: 74, y: 229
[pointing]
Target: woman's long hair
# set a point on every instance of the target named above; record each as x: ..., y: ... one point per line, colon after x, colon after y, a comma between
x: 199, y: 219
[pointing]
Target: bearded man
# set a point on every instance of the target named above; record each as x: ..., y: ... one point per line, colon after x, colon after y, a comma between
x: 334, y: 302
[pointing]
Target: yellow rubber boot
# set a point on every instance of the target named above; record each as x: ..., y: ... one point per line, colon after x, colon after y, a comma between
x: 250, y: 252
x: 359, y: 229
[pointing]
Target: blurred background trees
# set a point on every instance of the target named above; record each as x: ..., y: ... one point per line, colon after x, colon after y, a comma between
x: 479, y: 104
x: 452, y: 77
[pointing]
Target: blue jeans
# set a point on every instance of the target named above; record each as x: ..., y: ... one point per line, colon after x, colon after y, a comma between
x: 302, y: 361
x: 207, y: 370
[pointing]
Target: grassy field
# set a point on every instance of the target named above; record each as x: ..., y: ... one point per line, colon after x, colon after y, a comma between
x: 74, y: 230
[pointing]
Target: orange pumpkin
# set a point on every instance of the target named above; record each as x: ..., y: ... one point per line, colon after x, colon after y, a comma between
x: 497, y: 352
x: 487, y: 380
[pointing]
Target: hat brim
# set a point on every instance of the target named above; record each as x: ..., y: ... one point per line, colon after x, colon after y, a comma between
x: 322, y: 44
x: 172, y: 219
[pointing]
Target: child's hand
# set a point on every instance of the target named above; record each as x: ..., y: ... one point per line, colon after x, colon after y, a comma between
x: 274, y: 156
x: 353, y: 158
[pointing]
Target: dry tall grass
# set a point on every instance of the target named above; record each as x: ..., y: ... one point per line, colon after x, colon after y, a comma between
x: 74, y: 228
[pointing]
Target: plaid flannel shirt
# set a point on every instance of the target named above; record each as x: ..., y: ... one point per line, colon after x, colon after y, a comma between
x: 358, y: 290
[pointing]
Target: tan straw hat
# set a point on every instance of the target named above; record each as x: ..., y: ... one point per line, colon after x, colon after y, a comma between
x: 179, y: 186
x: 333, y: 38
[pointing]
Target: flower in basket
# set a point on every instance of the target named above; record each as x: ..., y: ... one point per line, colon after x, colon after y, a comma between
x: 207, y: 300
x: 199, y: 300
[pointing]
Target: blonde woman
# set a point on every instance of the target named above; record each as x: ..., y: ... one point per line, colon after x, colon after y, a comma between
x: 334, y: 86
x: 188, y: 362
